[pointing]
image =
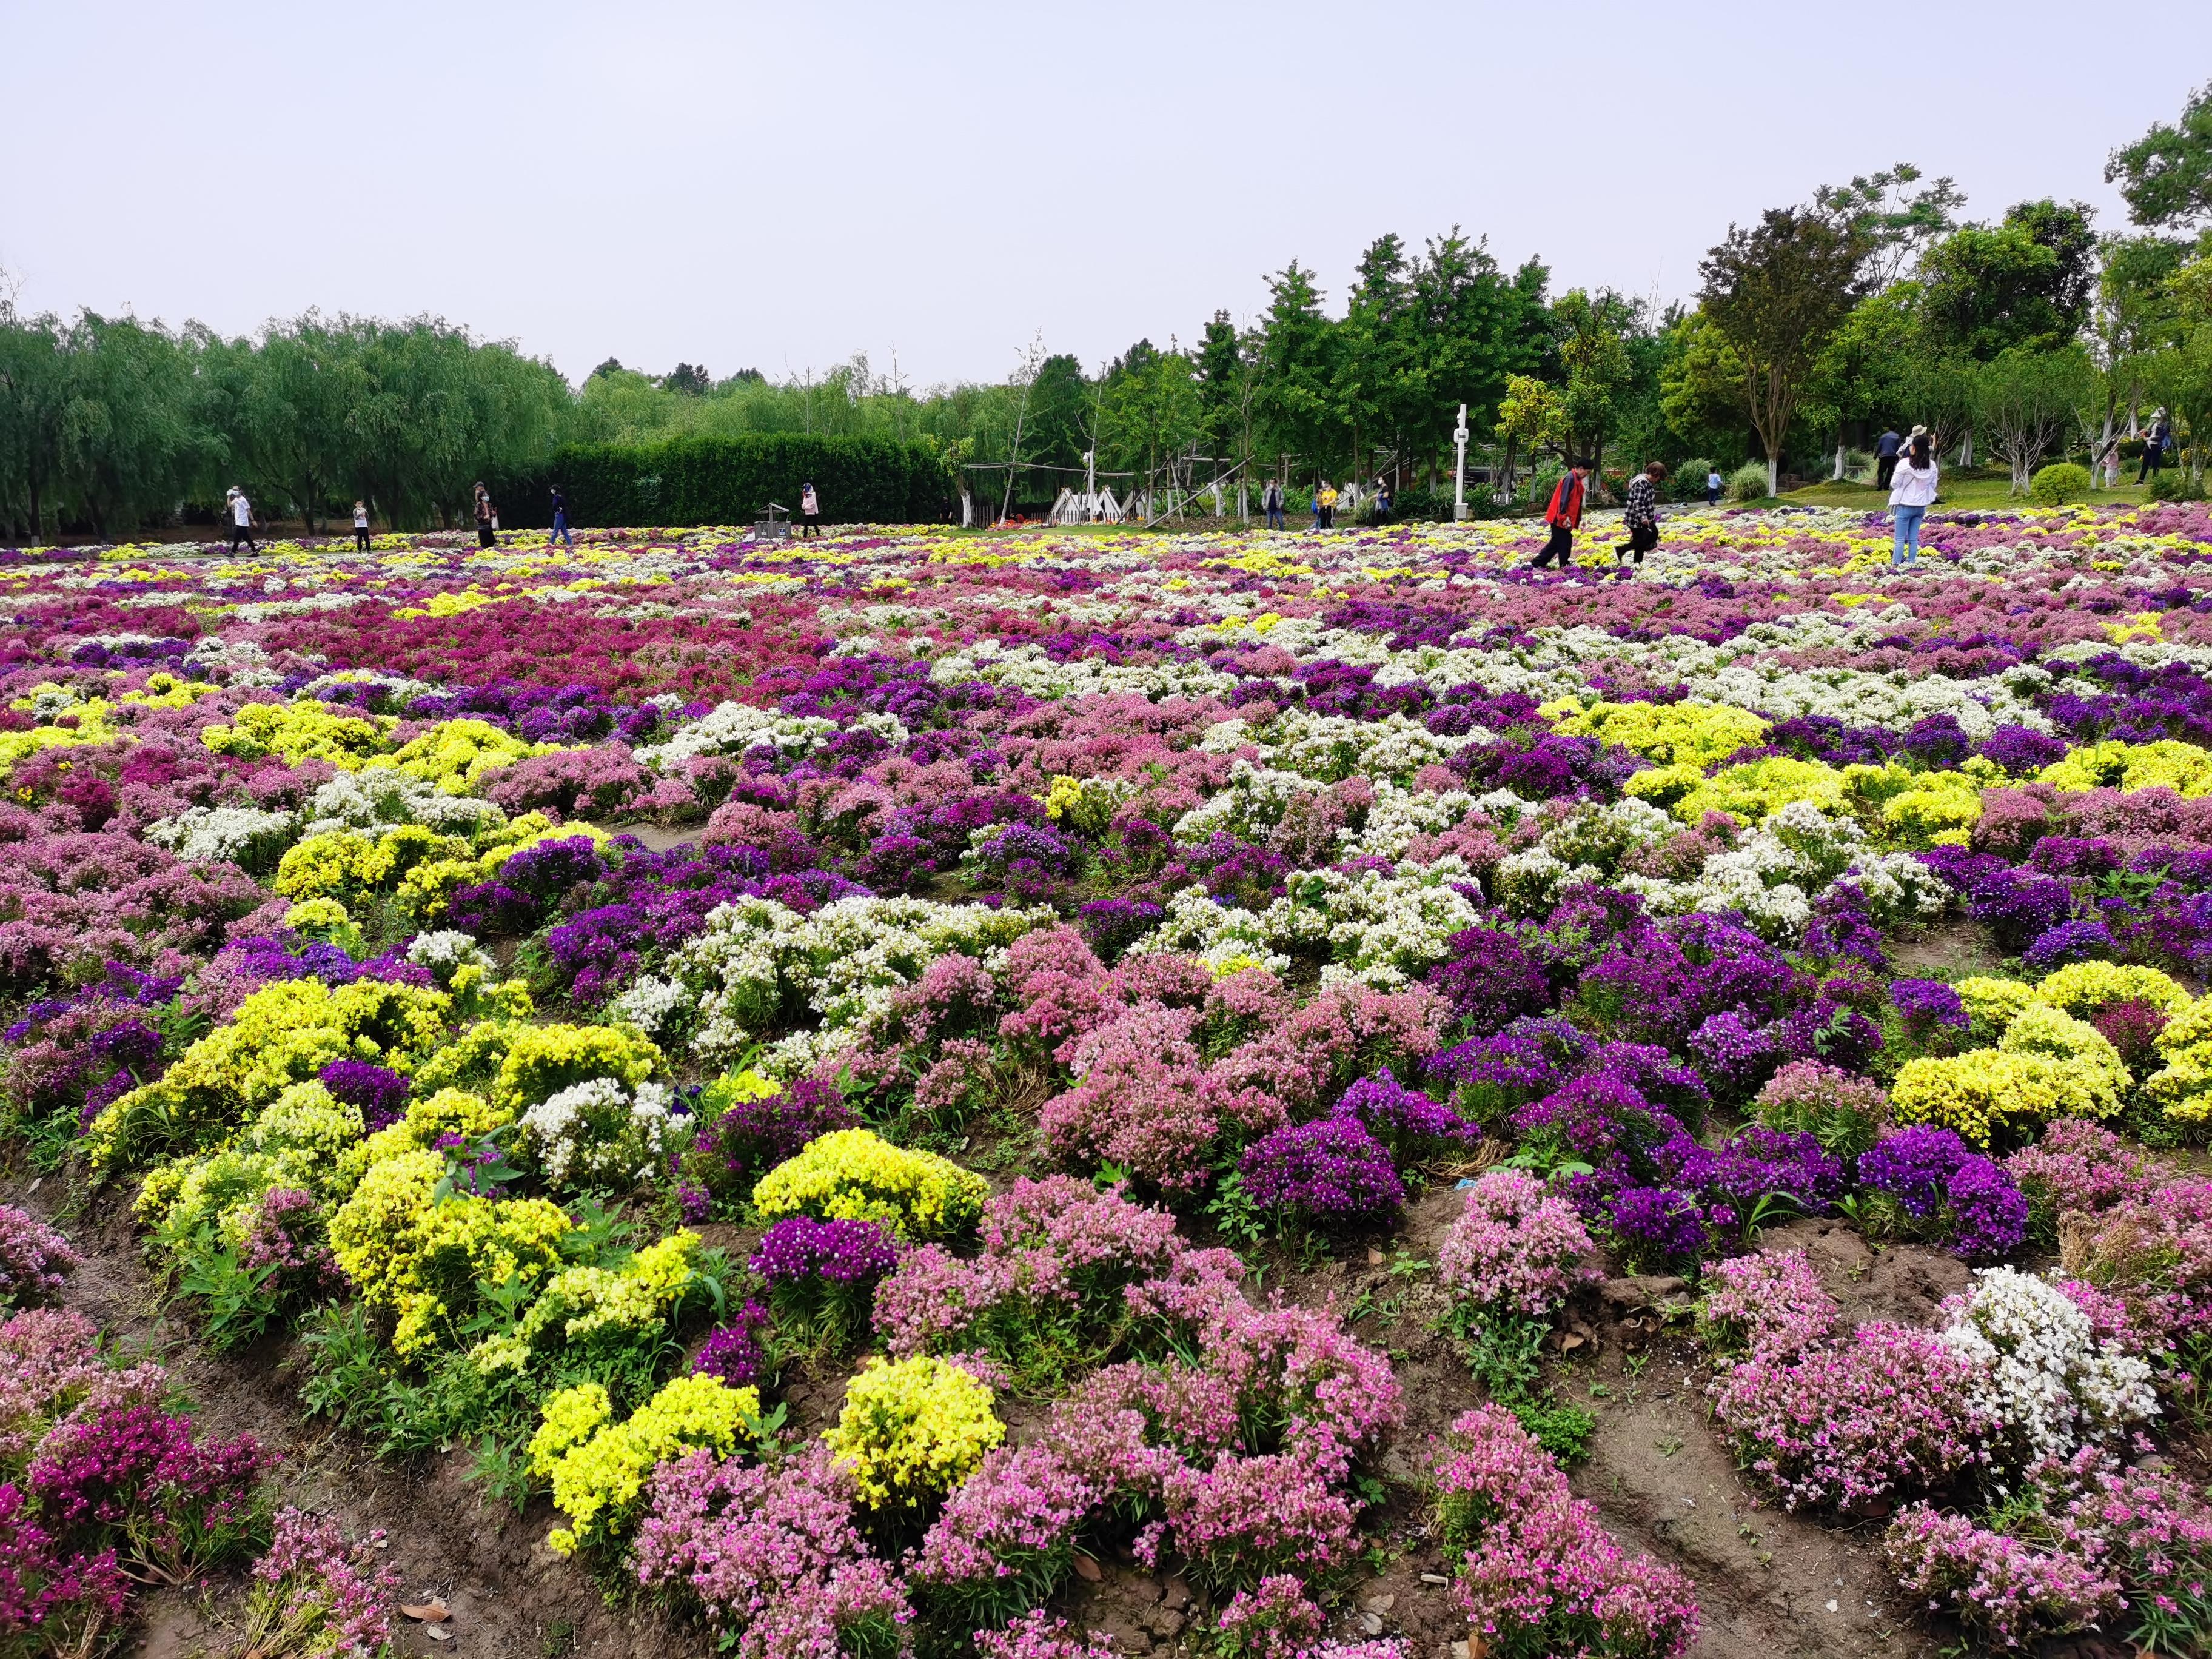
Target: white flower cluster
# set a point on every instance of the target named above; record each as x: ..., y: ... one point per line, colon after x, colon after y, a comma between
x: 758, y: 962
x: 598, y: 1131
x: 1379, y: 929
x: 445, y: 952
x: 1333, y: 746
x: 2043, y: 1375
x: 376, y: 799
x: 243, y: 835
x: 1400, y: 815
x: 732, y: 728
x: 1249, y: 806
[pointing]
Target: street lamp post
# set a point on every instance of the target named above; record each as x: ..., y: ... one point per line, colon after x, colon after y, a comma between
x: 1459, y: 467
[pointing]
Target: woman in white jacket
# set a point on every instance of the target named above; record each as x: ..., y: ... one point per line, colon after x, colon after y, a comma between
x: 1912, y: 493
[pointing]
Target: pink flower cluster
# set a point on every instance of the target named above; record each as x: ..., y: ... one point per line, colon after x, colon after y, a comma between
x: 33, y: 1257
x: 1175, y: 1440
x: 314, y: 1580
x: 1538, y: 1573
x: 769, y: 1549
x: 1058, y: 1256
x: 1517, y: 1248
x: 1883, y: 1413
x: 2081, y: 1168
x: 1770, y: 1305
x: 2154, y: 1253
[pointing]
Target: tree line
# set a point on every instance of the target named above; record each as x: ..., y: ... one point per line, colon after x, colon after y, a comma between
x: 1876, y: 303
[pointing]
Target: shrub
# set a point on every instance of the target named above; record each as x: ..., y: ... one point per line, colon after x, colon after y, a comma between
x: 1842, y: 1112
x: 1747, y: 483
x: 1933, y: 1187
x: 770, y: 1551
x: 913, y: 1429
x: 851, y: 1175
x: 598, y: 1467
x: 1517, y: 1247
x: 2058, y: 484
x: 2079, y: 1168
x: 315, y: 1587
x: 1328, y: 1173
x: 821, y: 1275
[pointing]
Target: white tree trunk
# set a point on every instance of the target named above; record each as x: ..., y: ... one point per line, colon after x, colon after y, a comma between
x: 1773, y: 474
x: 1839, y: 461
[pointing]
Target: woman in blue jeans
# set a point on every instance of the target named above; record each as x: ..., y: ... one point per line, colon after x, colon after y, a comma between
x: 1912, y: 493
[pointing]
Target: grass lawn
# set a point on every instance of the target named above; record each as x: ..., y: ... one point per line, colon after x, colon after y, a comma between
x: 1980, y: 486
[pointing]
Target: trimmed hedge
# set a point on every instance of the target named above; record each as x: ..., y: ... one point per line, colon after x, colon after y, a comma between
x: 695, y: 481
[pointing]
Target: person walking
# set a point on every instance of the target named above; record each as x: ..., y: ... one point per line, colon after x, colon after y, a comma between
x: 560, y: 532
x: 1885, y: 457
x: 1382, y: 500
x: 2154, y: 443
x: 1642, y: 513
x: 361, y: 526
x: 1328, y: 505
x: 810, y: 510
x: 1564, y: 512
x: 1912, y: 492
x: 241, y: 520
x: 1712, y: 486
x: 1271, y: 503
x: 487, y: 535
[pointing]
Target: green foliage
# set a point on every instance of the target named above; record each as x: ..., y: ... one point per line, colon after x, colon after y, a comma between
x: 2060, y: 482
x: 2165, y: 175
x: 1505, y: 1354
x: 1778, y: 292
x: 708, y: 481
x: 1747, y: 483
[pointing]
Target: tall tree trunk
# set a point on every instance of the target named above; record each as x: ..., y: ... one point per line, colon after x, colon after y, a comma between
x: 1838, y: 476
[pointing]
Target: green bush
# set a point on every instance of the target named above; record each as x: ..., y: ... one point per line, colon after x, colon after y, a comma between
x: 2058, y: 484
x: 1687, y: 482
x: 2172, y: 484
x: 1748, y: 481
x: 708, y: 480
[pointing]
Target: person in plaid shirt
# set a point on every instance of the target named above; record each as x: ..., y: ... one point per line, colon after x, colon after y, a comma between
x: 1642, y: 513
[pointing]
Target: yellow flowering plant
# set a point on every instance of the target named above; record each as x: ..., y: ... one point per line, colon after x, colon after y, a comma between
x: 853, y: 1174
x: 910, y: 1431
x: 598, y: 1467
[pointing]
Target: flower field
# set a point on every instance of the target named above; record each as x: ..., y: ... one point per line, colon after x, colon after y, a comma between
x: 1052, y: 1093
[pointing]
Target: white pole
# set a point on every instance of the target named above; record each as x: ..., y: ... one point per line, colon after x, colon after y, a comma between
x: 1459, y: 467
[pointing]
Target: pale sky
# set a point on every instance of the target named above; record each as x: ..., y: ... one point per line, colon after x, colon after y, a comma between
x: 776, y: 186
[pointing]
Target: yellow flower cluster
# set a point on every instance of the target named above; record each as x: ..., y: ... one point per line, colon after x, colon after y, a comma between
x: 580, y: 1302
x: 2181, y: 767
x: 913, y: 1430
x: 420, y: 1259
x: 452, y: 755
x: 305, y: 730
x: 1684, y: 734
x: 89, y: 722
x: 282, y: 1034
x: 541, y: 1061
x: 2086, y: 987
x: 1990, y: 1090
x: 598, y: 1467
x: 851, y: 1175
x: 415, y: 864
x: 298, y: 1140
x: 2182, y: 1088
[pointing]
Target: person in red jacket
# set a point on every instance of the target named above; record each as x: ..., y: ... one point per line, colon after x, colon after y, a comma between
x: 1565, y: 515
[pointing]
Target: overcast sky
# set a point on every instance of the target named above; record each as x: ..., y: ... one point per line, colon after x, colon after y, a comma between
x: 776, y: 186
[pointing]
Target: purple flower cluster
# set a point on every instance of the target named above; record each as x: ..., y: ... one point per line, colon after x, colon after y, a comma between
x: 1944, y: 1189
x: 799, y: 1247
x: 1330, y: 1172
x: 380, y: 1091
x: 33, y: 1258
x: 733, y: 1352
x: 1406, y: 1121
x: 748, y: 1137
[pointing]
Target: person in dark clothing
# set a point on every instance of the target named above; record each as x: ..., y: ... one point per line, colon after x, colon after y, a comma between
x: 1642, y: 515
x: 2154, y: 442
x: 560, y: 522
x: 1271, y: 503
x: 1564, y: 512
x: 1382, y: 500
x: 487, y: 528
x: 361, y: 526
x: 1885, y: 458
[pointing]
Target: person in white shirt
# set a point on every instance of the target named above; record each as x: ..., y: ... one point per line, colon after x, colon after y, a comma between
x: 810, y: 510
x: 1912, y: 493
x: 241, y: 520
x: 361, y: 526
